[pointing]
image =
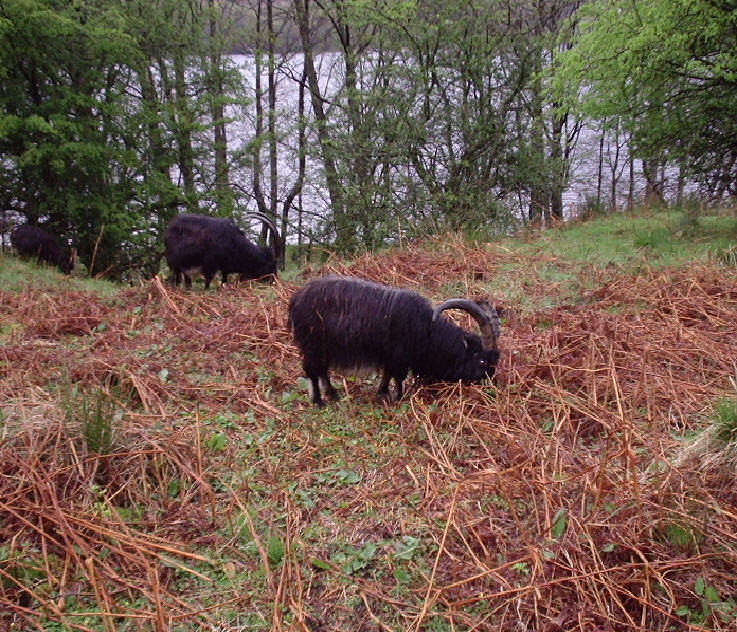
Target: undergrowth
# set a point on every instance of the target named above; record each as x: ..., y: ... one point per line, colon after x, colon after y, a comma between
x: 177, y: 478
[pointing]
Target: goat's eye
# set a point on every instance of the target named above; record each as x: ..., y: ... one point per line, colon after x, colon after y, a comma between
x: 482, y: 362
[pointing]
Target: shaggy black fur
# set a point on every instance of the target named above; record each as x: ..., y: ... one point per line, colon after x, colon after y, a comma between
x: 199, y: 244
x: 32, y: 241
x: 353, y: 324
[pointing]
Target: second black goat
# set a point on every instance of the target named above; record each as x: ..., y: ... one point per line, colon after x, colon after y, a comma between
x: 200, y: 244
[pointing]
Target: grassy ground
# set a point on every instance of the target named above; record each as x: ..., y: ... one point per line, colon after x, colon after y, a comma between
x: 161, y: 468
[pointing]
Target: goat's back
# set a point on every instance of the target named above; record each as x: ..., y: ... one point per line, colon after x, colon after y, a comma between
x: 351, y: 322
x: 186, y: 233
x: 191, y: 240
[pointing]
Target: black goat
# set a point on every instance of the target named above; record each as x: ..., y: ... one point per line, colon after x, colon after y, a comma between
x: 32, y: 241
x: 199, y: 244
x: 357, y: 325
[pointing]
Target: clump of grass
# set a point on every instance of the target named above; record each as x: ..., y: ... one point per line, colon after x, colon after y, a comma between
x: 591, y: 208
x: 688, y: 225
x: 727, y: 255
x: 725, y: 411
x: 716, y: 445
x: 725, y: 423
x: 95, y: 414
x: 653, y: 239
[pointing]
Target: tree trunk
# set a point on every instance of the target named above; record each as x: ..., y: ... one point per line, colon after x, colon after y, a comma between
x: 296, y: 189
x: 631, y: 190
x: 222, y: 179
x: 344, y: 236
x: 653, y: 188
x: 184, y: 134
x: 558, y: 157
x: 539, y: 198
x: 258, y: 192
x: 599, y: 171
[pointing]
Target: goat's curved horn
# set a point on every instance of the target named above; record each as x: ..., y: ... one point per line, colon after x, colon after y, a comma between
x: 266, y: 220
x: 272, y: 227
x: 493, y: 315
x: 484, y: 314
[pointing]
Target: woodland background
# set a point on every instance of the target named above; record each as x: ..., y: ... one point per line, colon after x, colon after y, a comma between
x: 357, y: 122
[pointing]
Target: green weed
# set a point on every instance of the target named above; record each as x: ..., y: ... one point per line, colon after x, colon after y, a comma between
x: 710, y: 605
x: 653, y: 239
x: 725, y: 420
x: 680, y: 536
x: 275, y: 550
x: 96, y: 414
x: 726, y: 255
x: 352, y: 559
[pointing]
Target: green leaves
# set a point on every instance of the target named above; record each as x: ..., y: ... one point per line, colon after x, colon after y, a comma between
x: 560, y: 522
x: 711, y: 605
x: 347, y: 477
x: 352, y: 559
x: 406, y: 547
x: 663, y: 70
x: 217, y: 442
x: 81, y: 134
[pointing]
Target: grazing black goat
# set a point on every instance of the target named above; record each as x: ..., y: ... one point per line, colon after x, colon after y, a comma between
x: 32, y: 241
x: 199, y: 244
x: 357, y: 325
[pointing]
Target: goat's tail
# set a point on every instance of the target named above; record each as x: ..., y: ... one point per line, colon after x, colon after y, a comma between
x: 290, y: 320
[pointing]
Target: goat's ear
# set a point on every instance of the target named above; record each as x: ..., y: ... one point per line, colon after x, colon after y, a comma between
x: 487, y: 306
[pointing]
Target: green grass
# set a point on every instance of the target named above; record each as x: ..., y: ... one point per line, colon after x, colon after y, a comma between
x: 16, y: 275
x: 567, y: 260
x: 725, y: 416
x: 629, y: 239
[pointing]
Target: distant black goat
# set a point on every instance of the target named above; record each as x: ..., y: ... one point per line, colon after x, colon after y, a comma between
x: 32, y: 241
x: 199, y: 244
x: 357, y: 325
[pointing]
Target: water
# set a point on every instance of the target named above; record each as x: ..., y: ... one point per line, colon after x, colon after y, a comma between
x: 582, y: 187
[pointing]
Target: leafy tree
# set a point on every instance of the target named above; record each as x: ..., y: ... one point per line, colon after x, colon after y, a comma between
x: 666, y: 70
x: 456, y: 94
x: 430, y: 117
x: 112, y: 118
x: 344, y: 231
x: 269, y: 126
x: 59, y: 113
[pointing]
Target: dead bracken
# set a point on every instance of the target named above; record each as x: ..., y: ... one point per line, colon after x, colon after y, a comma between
x: 557, y: 500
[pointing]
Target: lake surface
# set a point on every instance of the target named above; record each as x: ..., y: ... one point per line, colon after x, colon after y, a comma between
x: 584, y: 163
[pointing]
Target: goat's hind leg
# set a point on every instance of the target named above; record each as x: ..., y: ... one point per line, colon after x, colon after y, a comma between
x: 383, y: 391
x: 329, y: 389
x: 399, y: 376
x: 317, y: 376
x: 314, y: 382
x: 313, y: 389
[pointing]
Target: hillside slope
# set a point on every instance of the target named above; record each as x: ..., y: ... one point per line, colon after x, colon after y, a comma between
x: 161, y: 467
